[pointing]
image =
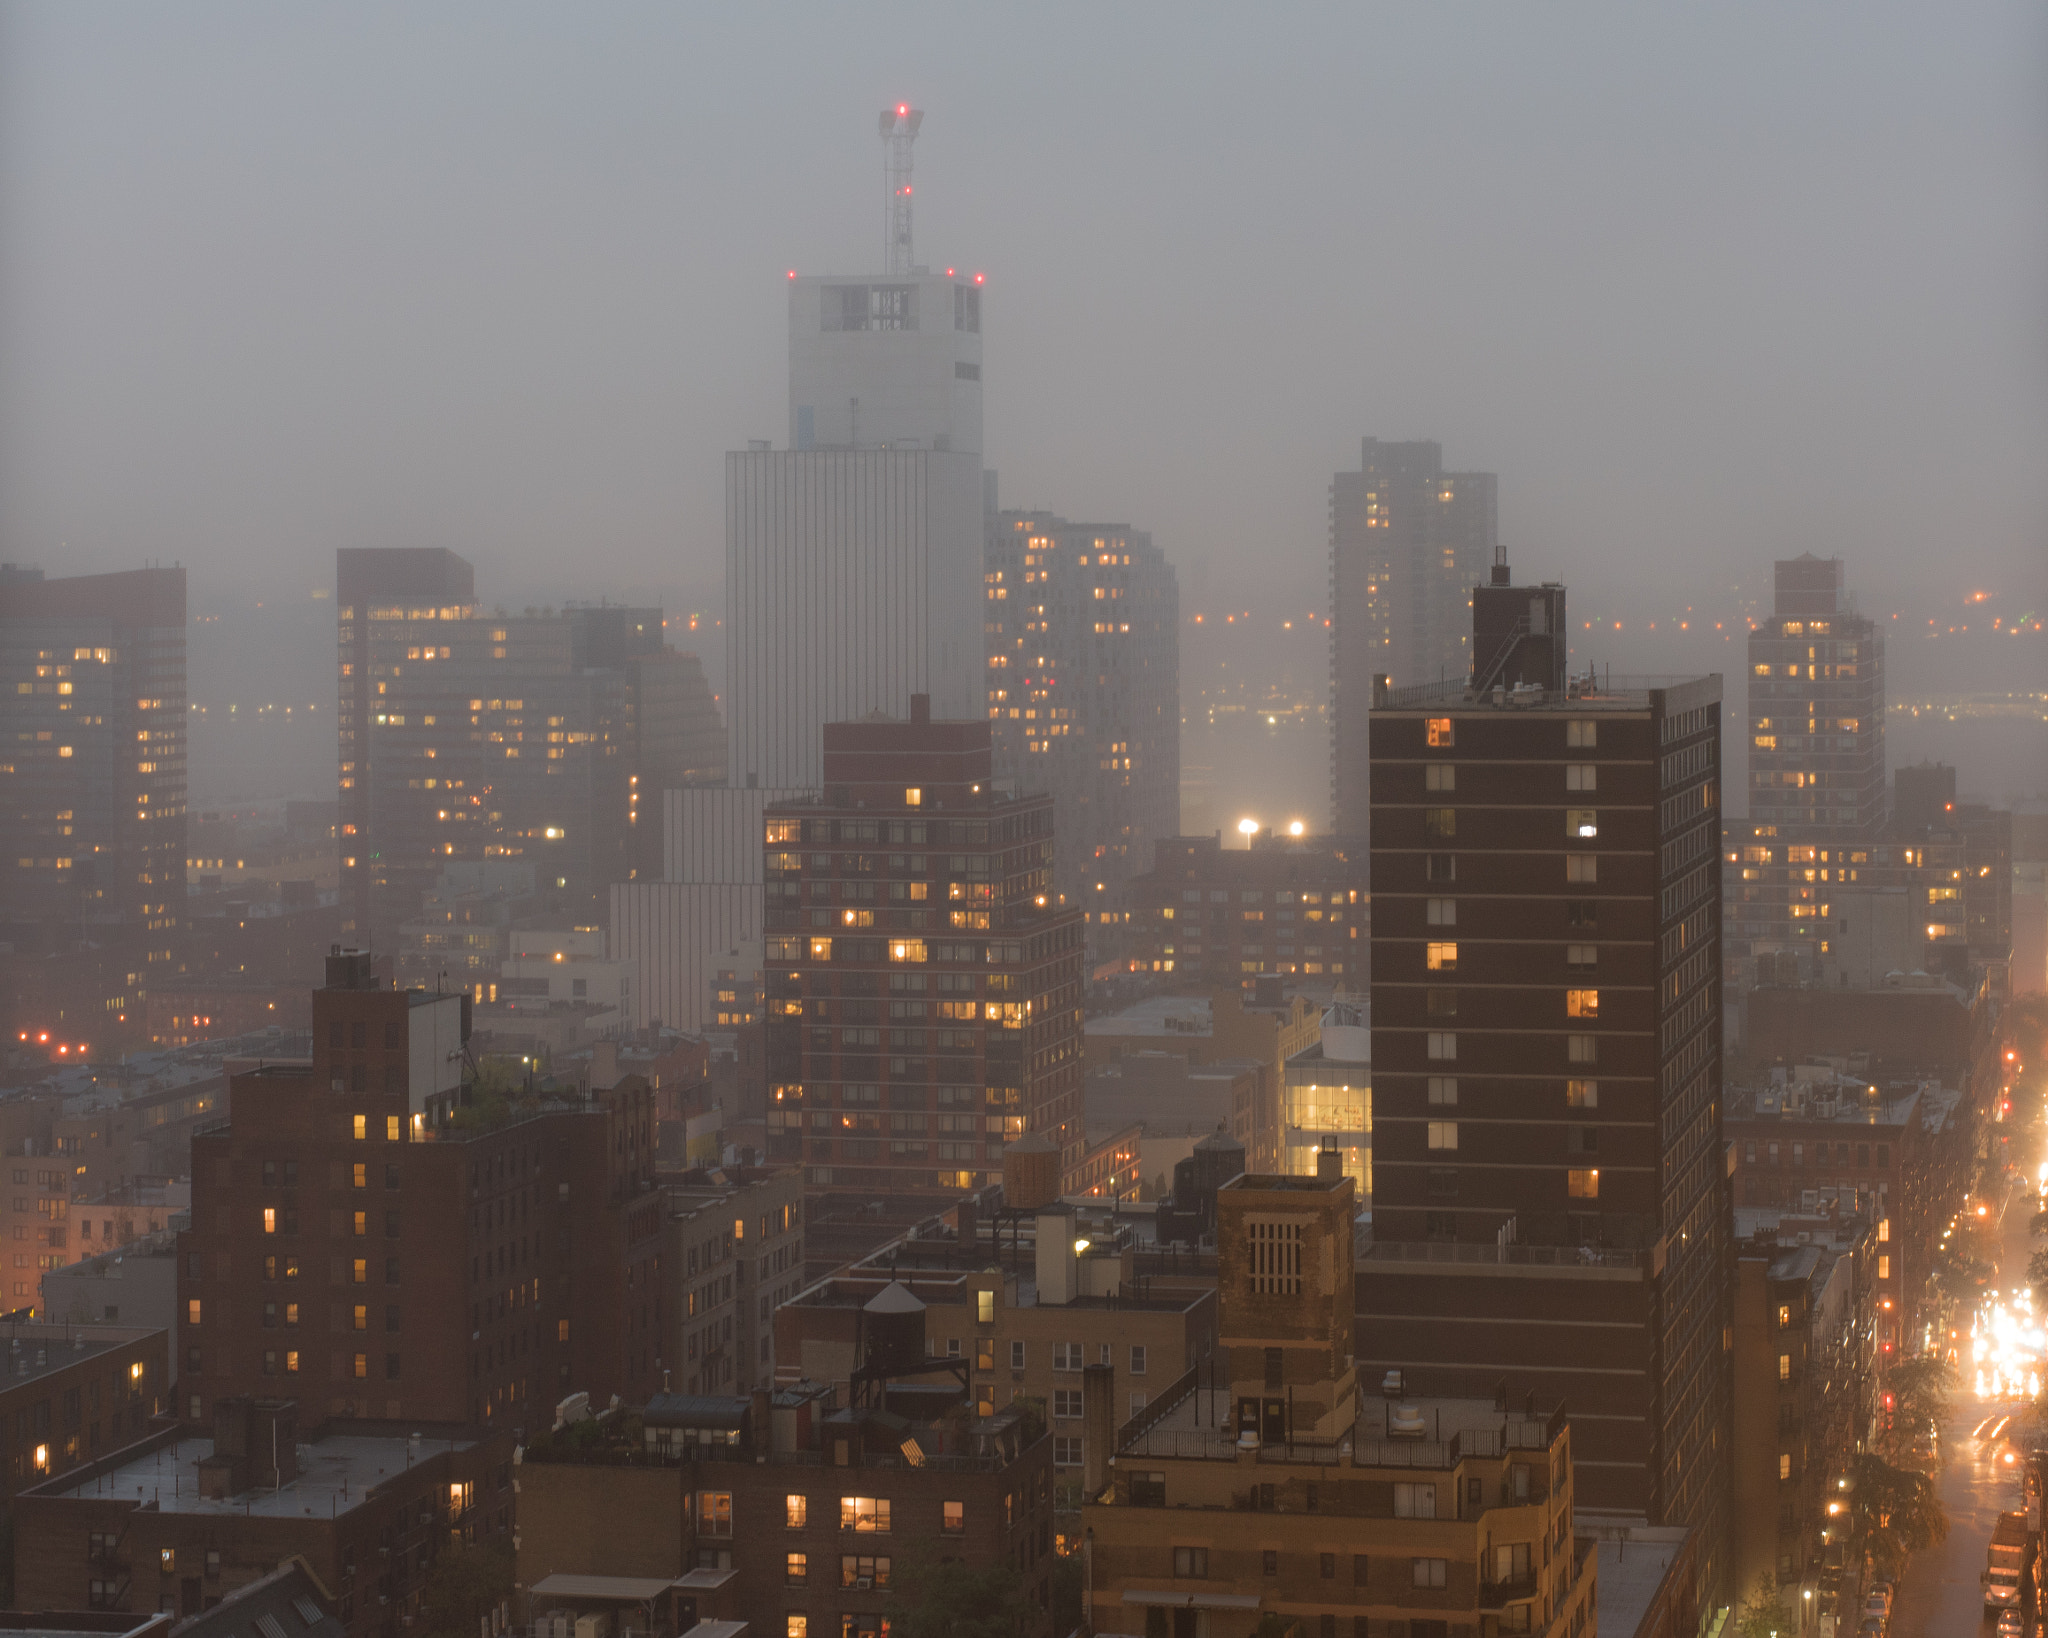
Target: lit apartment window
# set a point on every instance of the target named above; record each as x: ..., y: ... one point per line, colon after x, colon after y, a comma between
x: 1581, y: 822
x: 1443, y: 1134
x: 1440, y: 732
x: 1583, y: 1183
x: 1582, y: 1003
x: 1440, y: 823
x: 1442, y: 958
x: 796, y: 1511
x: 1581, y: 1094
x: 913, y: 797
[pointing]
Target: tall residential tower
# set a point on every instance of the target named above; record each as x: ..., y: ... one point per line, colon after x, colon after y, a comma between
x: 1549, y: 1207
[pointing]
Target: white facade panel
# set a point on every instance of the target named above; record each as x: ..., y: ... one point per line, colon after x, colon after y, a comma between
x: 853, y: 581
x: 679, y: 936
x: 713, y: 833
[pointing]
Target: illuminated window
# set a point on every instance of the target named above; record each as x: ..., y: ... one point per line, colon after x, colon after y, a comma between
x: 1784, y: 1465
x: 393, y: 1129
x: 1884, y: 1268
x: 1443, y: 958
x: 1443, y: 1134
x: 360, y: 1125
x: 868, y: 1515
x: 913, y: 797
x: 1784, y: 1367
x: 1581, y: 822
x: 1582, y: 1003
x: 796, y: 1512
x: 1582, y: 1094
x: 1583, y: 1183
x: 269, y: 1219
x: 1440, y: 823
x: 985, y: 1307
x: 714, y: 1513
x: 1784, y: 1315
x: 1581, y: 735
x: 953, y: 1518
x: 1439, y: 731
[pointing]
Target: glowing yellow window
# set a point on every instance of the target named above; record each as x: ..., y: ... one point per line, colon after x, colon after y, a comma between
x: 1443, y: 958
x: 1439, y: 731
x: 1582, y: 1003
x: 1583, y: 1184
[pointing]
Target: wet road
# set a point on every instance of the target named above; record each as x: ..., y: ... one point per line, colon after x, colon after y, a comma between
x: 1941, y: 1594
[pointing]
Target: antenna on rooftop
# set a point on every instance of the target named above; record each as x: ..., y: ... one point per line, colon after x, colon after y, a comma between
x: 898, y: 126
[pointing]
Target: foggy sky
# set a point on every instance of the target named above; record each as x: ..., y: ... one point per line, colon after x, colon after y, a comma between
x: 1704, y: 286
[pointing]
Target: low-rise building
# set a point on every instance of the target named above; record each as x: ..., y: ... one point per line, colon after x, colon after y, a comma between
x: 178, y: 1520
x: 793, y: 1512
x: 1805, y: 1369
x: 132, y: 1284
x: 69, y: 1393
x: 1261, y: 1485
x: 736, y: 1252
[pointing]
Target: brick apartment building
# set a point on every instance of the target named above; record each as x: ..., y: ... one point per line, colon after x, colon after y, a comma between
x: 1820, y: 1140
x: 736, y: 1253
x: 181, y: 1518
x: 367, y: 1244
x: 924, y: 988
x: 1262, y: 1486
x: 1805, y: 1370
x: 70, y: 1393
x: 792, y: 1512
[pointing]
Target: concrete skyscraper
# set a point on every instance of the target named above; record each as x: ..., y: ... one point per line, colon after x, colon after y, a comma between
x: 1083, y: 631
x: 1549, y: 1207
x: 1408, y: 541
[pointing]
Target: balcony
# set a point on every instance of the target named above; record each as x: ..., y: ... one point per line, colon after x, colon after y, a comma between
x: 1495, y: 1596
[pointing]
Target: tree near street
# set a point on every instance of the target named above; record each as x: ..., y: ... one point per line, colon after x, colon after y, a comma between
x: 1897, y: 1512
x: 1763, y: 1616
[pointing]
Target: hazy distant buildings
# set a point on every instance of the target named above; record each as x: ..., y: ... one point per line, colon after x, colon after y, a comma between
x: 378, y: 587
x: 1816, y: 710
x: 469, y: 735
x: 1546, y: 1040
x: 1293, y: 905
x: 92, y: 795
x: 1407, y: 542
x: 1083, y: 631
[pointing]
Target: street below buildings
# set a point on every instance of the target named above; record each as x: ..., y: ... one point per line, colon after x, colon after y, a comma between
x: 1942, y: 1591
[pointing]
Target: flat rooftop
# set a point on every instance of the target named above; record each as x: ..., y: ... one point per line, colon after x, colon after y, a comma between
x: 1633, y: 1565
x: 1597, y: 692
x: 30, y: 1349
x: 1201, y: 1426
x: 1167, y: 1016
x: 335, y: 1474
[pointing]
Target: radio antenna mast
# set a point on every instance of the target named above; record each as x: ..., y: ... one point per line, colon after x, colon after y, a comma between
x: 899, y: 130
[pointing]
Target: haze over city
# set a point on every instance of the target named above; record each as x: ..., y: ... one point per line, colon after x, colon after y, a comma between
x: 1702, y: 289
x: 1027, y: 822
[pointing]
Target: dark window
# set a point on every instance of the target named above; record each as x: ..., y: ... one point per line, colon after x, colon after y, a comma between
x: 391, y: 1367
x: 1440, y: 1183
x: 1272, y: 1561
x: 390, y: 1270
x: 1360, y: 1564
x: 391, y: 1175
x: 1329, y: 1566
x: 391, y: 1225
x: 359, y: 1035
x: 1442, y: 867
x: 394, y: 1034
x: 391, y: 1317
x: 1441, y: 823
x: 1443, y: 1003
x: 1440, y: 1225
x: 1582, y: 913
x: 1273, y: 1359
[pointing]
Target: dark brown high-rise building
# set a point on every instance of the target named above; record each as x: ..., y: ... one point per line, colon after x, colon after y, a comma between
x: 92, y: 797
x: 369, y: 1240
x: 924, y: 990
x: 1549, y: 1204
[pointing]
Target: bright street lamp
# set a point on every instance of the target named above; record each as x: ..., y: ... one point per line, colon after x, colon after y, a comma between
x: 1248, y: 828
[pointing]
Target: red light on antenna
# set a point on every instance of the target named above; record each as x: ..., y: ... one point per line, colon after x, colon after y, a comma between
x: 792, y: 272
x: 902, y: 108
x: 949, y: 272
x: 977, y: 278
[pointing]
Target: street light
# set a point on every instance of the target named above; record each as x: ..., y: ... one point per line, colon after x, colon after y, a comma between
x: 1248, y: 828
